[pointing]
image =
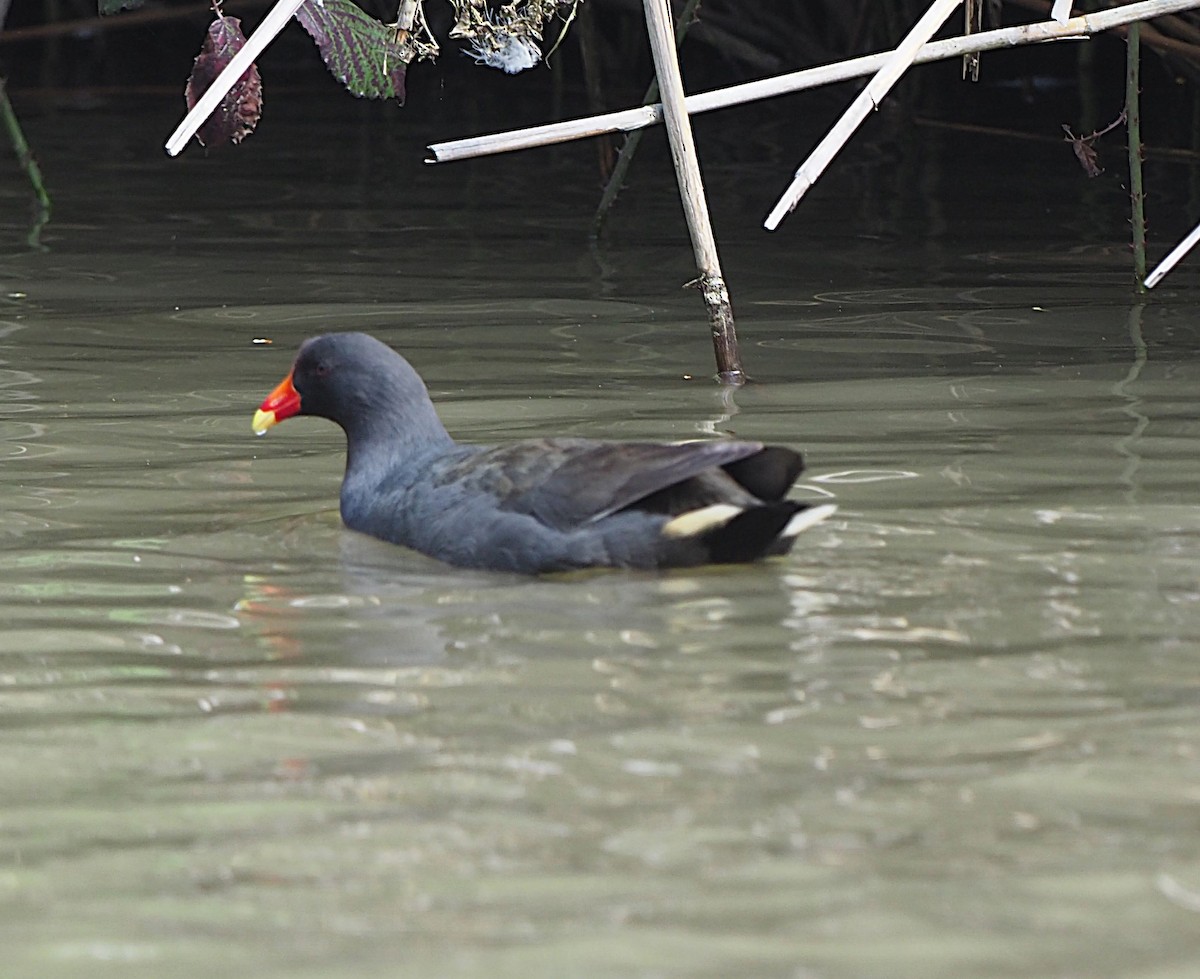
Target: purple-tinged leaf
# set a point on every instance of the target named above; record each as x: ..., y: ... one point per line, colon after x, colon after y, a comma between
x: 361, y: 52
x: 1087, y: 156
x: 237, y: 115
x: 1085, y: 152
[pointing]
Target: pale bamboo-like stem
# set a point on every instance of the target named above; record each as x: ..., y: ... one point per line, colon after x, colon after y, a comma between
x: 1061, y: 11
x: 651, y: 115
x: 1168, y: 263
x: 275, y: 21
x: 867, y: 101
x: 691, y: 190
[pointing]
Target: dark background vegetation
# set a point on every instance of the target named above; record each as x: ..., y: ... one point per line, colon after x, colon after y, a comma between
x: 63, y: 62
x: 149, y: 51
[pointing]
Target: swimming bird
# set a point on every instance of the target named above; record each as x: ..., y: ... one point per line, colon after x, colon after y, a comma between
x: 537, y: 505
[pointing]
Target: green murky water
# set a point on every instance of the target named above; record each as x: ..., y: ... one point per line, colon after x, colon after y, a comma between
x: 954, y: 734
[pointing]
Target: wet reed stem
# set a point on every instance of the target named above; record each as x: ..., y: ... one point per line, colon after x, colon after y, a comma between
x: 1133, y: 123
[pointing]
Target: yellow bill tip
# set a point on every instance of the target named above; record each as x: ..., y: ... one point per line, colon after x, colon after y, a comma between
x: 262, y: 421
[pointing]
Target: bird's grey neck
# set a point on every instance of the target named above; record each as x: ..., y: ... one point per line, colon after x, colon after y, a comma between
x: 381, y: 442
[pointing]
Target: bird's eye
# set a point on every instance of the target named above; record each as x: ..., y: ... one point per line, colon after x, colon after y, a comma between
x: 321, y: 369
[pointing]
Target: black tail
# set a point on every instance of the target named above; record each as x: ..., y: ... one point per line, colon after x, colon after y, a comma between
x: 767, y: 474
x: 752, y: 534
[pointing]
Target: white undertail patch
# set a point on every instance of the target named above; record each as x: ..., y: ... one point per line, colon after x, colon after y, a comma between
x: 696, y: 522
x: 808, y: 518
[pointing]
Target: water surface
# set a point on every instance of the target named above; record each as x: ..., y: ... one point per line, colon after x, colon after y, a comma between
x: 954, y: 734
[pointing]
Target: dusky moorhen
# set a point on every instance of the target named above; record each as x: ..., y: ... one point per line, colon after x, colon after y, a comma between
x: 537, y: 505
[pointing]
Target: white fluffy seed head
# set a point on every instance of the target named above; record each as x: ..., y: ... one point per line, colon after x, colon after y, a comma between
x: 512, y: 54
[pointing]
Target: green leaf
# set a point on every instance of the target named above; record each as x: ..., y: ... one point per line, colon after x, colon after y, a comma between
x: 361, y: 52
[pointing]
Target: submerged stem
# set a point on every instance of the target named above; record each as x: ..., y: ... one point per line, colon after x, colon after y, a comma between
x: 25, y: 158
